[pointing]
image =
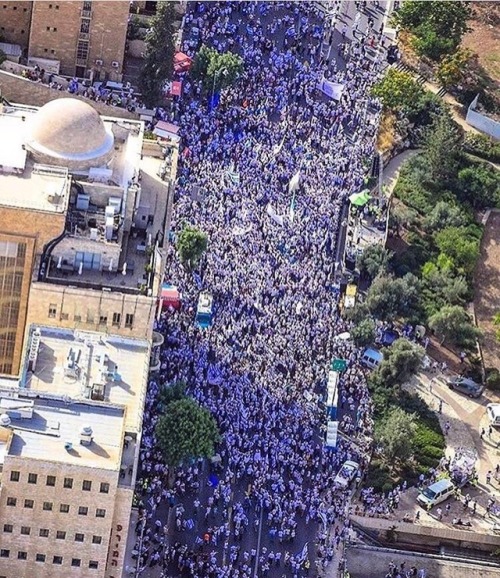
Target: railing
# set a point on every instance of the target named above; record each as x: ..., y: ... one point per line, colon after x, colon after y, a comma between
x: 86, y: 13
x: 84, y: 36
x: 81, y: 62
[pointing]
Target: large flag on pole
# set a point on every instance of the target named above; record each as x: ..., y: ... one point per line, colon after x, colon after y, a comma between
x: 293, y: 185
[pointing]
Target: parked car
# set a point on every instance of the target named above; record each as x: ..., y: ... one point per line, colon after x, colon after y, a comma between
x: 436, y: 493
x: 347, y: 473
x: 467, y: 386
x: 493, y: 413
x: 371, y: 358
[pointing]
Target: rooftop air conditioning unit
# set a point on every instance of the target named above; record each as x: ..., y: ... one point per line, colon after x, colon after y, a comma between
x: 98, y: 62
x: 115, y: 64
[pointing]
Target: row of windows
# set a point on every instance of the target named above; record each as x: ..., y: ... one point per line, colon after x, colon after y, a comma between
x: 103, y: 319
x: 58, y: 560
x: 45, y: 532
x: 15, y: 476
x: 64, y: 508
x: 15, y: 8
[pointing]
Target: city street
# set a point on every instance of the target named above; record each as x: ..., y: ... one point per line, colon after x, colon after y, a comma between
x: 267, y: 505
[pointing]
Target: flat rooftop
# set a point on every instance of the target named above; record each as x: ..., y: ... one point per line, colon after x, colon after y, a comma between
x: 80, y: 365
x: 56, y: 423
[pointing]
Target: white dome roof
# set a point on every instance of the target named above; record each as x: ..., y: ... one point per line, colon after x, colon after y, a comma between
x: 68, y: 130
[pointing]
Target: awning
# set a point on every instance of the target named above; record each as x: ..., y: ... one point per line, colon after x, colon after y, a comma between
x: 182, y: 62
x: 360, y: 199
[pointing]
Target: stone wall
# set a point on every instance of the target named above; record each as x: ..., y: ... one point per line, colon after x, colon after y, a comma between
x: 20, y: 90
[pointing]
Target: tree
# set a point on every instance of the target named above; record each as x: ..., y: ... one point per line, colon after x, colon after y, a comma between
x: 441, y: 149
x: 374, y: 260
x: 437, y: 26
x: 191, y: 244
x: 453, y: 324
x: 461, y: 245
x: 363, y: 333
x: 441, y: 285
x: 479, y: 185
x: 397, y: 90
x: 186, y: 431
x: 389, y: 298
x: 453, y: 67
x: 216, y: 70
x: 401, y: 360
x: 158, y: 64
x: 496, y: 323
x: 444, y: 214
x: 396, y: 435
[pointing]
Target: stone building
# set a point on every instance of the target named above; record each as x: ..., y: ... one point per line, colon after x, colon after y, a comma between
x: 83, y: 227
x: 71, y: 37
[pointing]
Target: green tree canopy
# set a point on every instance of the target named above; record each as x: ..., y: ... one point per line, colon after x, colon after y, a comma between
x: 437, y: 26
x: 441, y: 285
x: 453, y: 67
x: 401, y: 360
x: 441, y: 149
x: 479, y: 185
x: 215, y: 69
x: 363, y: 333
x: 171, y: 392
x: 453, y: 324
x: 191, y: 244
x: 396, y: 435
x: 397, y: 90
x: 389, y: 297
x: 374, y: 260
x: 186, y: 431
x: 158, y: 66
x: 444, y: 214
x: 461, y: 245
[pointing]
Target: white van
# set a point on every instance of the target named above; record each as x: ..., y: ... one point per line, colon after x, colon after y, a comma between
x: 493, y: 412
x: 436, y: 493
x: 371, y: 358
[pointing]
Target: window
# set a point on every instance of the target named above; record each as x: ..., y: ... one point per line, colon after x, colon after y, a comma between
x: 100, y: 513
x: 4, y: 553
x: 85, y: 26
x: 64, y: 316
x: 104, y: 488
x: 51, y: 480
x: 15, y: 476
x: 82, y: 52
x: 96, y: 539
x: 90, y: 317
x: 11, y: 501
x: 76, y: 562
x: 77, y: 318
x: 32, y: 478
x: 43, y: 533
x: 40, y: 557
x: 129, y: 320
x: 29, y: 504
x: 86, y: 485
x: 7, y: 528
x: 47, y: 506
x: 60, y: 535
x: 116, y: 319
x: 68, y: 483
x: 57, y: 560
x: 22, y: 555
x: 83, y: 510
x: 25, y: 530
x: 79, y: 537
x: 93, y: 565
x: 64, y: 508
x: 52, y: 306
x: 87, y: 5
x: 103, y: 319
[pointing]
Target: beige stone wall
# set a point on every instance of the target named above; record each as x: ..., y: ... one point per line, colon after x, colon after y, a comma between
x: 35, y: 229
x: 37, y: 518
x: 15, y: 20
x: 79, y: 308
x: 55, y: 30
x: 119, y: 532
x: 20, y: 90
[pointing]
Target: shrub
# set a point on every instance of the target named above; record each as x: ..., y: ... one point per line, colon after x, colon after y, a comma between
x: 493, y: 379
x: 482, y: 146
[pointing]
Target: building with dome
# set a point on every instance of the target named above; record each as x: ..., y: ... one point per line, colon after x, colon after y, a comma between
x: 84, y: 219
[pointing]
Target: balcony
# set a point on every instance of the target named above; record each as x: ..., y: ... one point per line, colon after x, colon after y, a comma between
x: 86, y: 13
x: 83, y: 36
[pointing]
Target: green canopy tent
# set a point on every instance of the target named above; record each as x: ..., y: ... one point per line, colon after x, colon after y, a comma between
x: 360, y: 199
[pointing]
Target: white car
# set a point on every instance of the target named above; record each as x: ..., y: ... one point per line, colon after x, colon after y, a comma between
x: 347, y: 473
x: 493, y: 412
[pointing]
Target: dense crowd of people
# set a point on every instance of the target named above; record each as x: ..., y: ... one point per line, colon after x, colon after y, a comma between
x: 261, y: 367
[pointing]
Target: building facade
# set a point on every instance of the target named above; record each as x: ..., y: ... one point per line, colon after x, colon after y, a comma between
x: 83, y: 230
x: 71, y: 37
